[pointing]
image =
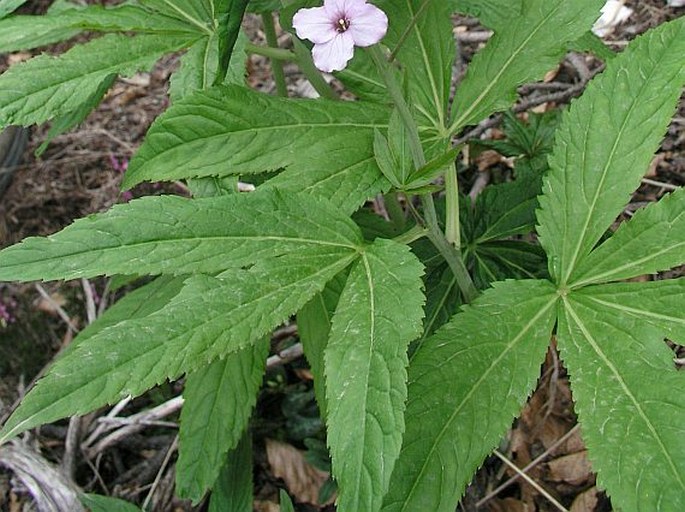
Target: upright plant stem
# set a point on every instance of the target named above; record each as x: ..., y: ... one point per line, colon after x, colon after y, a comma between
x: 452, y: 227
x: 306, y: 63
x: 272, y: 41
x: 435, y: 234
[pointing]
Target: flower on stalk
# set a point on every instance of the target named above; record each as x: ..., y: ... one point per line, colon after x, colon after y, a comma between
x: 337, y: 27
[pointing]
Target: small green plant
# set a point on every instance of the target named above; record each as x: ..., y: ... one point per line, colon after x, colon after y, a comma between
x: 414, y: 394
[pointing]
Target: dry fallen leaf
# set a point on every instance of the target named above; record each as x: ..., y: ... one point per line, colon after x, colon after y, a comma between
x: 573, y: 469
x: 301, y: 478
x: 586, y: 502
x: 508, y: 505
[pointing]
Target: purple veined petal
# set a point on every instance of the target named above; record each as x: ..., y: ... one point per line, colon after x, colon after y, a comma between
x: 337, y: 8
x: 368, y: 25
x: 314, y: 24
x: 335, y: 54
x: 353, y: 8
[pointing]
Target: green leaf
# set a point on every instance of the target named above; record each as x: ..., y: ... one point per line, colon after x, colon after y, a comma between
x: 170, y: 234
x: 625, y: 386
x: 507, y: 259
x: 260, y: 6
x: 286, y: 504
x: 443, y: 299
x: 209, y: 318
x: 506, y: 209
x: 653, y: 240
x: 232, y: 491
x: 605, y: 144
x: 198, y: 13
x: 8, y: 6
x: 232, y: 130
x: 424, y: 30
x: 99, y: 503
x: 314, y: 328
x: 72, y: 119
x: 26, y: 32
x: 218, y: 403
x: 591, y: 43
x: 378, y: 315
x: 361, y: 77
x: 466, y: 383
x: 140, y: 303
x: 46, y: 87
x: 199, y: 65
x: 495, y: 14
x: 523, y: 49
x: 656, y: 302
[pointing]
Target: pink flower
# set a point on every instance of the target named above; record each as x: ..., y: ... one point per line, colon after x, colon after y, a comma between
x: 337, y: 27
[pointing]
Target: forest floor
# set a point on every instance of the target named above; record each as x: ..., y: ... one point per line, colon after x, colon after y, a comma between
x: 80, y: 173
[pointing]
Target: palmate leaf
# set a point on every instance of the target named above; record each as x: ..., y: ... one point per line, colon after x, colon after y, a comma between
x: 506, y: 209
x: 46, y: 87
x: 26, y: 32
x: 199, y: 65
x: 506, y: 259
x: 99, y: 503
x: 378, y: 315
x: 653, y: 240
x: 657, y: 302
x: 68, y: 121
x: 209, y: 318
x: 170, y: 234
x: 466, y: 383
x: 8, y: 6
x: 522, y: 50
x: 326, y: 147
x: 424, y: 29
x: 314, y: 328
x: 626, y: 389
x: 592, y: 176
x: 218, y: 402
x: 232, y: 490
x: 199, y: 13
x: 494, y: 14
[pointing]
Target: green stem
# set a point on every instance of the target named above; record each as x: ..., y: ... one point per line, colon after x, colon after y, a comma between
x: 304, y: 58
x: 395, y: 91
x: 272, y: 41
x: 452, y: 228
x: 435, y: 234
x: 272, y: 53
x: 412, y: 235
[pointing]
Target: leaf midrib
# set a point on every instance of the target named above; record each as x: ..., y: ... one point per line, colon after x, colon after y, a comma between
x: 108, y: 68
x: 605, y: 276
x: 636, y: 99
x: 189, y: 17
x: 440, y: 122
x: 624, y: 386
x: 343, y: 261
x: 637, y: 312
x: 105, y: 250
x: 503, y: 70
x: 467, y: 397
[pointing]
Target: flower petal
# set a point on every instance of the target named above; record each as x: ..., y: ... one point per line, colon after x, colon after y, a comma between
x: 314, y: 24
x: 335, y: 54
x: 368, y: 25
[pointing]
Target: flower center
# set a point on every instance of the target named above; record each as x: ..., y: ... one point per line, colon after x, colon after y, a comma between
x: 342, y: 25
